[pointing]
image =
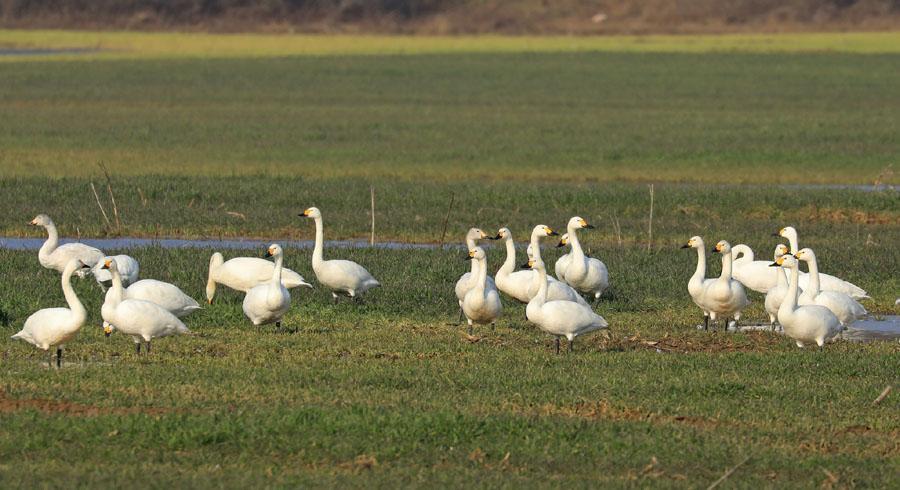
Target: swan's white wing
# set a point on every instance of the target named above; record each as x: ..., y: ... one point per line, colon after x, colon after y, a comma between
x: 146, y: 319
x: 164, y: 294
x: 756, y: 275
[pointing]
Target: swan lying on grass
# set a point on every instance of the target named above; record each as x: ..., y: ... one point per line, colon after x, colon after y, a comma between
x: 244, y: 273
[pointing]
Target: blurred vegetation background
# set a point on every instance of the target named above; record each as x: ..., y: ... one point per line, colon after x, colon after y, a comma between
x: 457, y: 16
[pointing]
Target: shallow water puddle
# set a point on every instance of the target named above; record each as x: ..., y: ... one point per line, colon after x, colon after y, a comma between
x: 867, y: 330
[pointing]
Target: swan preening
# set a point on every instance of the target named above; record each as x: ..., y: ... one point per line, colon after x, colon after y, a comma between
x: 244, y: 273
x: 342, y: 277
x: 268, y: 302
x: 142, y: 320
x: 805, y: 324
x: 129, y: 269
x: 53, y: 327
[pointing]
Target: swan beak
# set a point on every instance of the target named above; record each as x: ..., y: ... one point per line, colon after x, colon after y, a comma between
x: 107, y: 329
x: 776, y: 234
x: 560, y: 244
x: 552, y: 233
x: 773, y: 264
x: 495, y: 237
x: 268, y: 254
x: 209, y: 301
x: 468, y: 257
x: 715, y: 250
x: 303, y: 214
x: 32, y: 223
x: 106, y: 264
x: 589, y: 227
x: 686, y: 245
x: 525, y: 266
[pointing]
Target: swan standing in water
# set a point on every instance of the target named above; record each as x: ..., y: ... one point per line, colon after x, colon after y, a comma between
x: 340, y: 276
x: 467, y: 280
x: 481, y: 303
x: 53, y: 327
x: 129, y: 269
x: 698, y: 282
x: 268, y: 302
x: 724, y: 296
x: 54, y: 256
x: 826, y: 282
x: 776, y: 295
x: 560, y: 318
x: 583, y: 273
x: 243, y: 273
x: 142, y: 320
x: 846, y: 309
x: 804, y: 324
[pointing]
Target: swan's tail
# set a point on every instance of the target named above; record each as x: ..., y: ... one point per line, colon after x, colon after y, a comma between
x: 214, y: 263
x: 857, y: 292
x: 372, y: 283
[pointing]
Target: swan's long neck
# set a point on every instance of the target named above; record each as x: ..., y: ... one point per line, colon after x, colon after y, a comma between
x: 72, y: 298
x: 118, y: 292
x: 541, y: 296
x: 790, y: 300
x: 276, y: 274
x: 726, y: 266
x: 509, y: 265
x: 535, y: 247
x: 577, y: 252
x: 481, y: 274
x: 318, y: 252
x: 52, y: 241
x: 700, y: 273
x: 792, y: 239
x: 745, y: 252
x: 813, y: 276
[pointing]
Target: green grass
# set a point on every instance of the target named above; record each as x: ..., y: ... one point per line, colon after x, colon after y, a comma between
x: 733, y: 117
x: 388, y: 393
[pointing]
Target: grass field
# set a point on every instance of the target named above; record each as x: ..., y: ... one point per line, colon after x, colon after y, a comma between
x: 232, y: 136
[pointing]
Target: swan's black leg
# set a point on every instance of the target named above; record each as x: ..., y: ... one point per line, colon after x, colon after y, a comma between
x: 706, y: 323
x: 148, y: 347
x: 58, y: 357
x: 460, y: 317
x: 137, y: 348
x: 571, y: 345
x: 557, y: 345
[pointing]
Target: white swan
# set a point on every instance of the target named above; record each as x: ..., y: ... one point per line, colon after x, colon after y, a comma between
x: 467, y: 280
x: 268, y: 302
x: 804, y: 324
x: 698, y: 282
x: 556, y: 290
x: 142, y: 320
x: 129, y: 269
x: 846, y: 309
x: 724, y: 296
x: 754, y: 274
x: 481, y: 303
x: 169, y: 296
x: 585, y: 274
x: 523, y: 285
x: 53, y: 327
x: 243, y: 273
x: 340, y: 276
x: 54, y: 256
x: 827, y: 282
x: 560, y: 318
x: 775, y: 295
x: 563, y: 262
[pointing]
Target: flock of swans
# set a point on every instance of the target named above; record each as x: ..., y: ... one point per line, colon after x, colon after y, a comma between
x: 813, y: 313
x: 810, y: 307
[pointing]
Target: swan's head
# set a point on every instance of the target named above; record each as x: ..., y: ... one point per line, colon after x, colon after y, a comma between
x: 722, y: 247
x: 503, y: 234
x: 477, y: 234
x: 313, y: 213
x: 563, y: 240
x: 781, y: 249
x: 109, y: 264
x: 537, y: 264
x: 41, y: 220
x: 108, y: 329
x: 476, y: 253
x: 274, y: 250
x: 786, y: 232
x: 694, y: 242
x: 579, y: 222
x: 806, y: 255
x: 786, y: 260
x: 543, y: 230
